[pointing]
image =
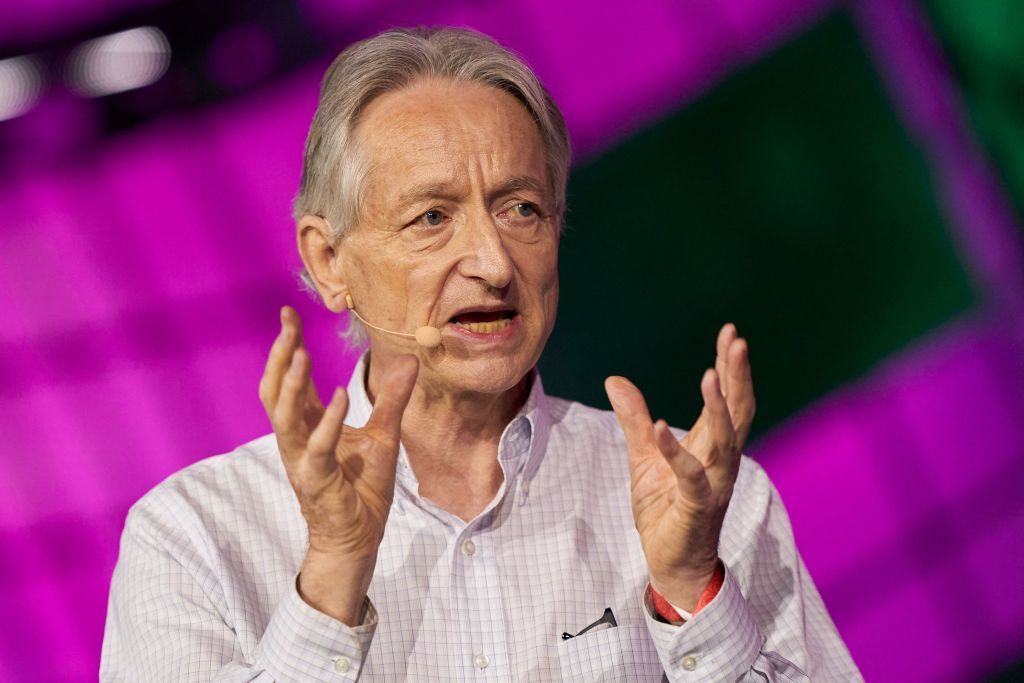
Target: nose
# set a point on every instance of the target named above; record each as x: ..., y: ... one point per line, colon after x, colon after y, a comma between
x: 483, y: 255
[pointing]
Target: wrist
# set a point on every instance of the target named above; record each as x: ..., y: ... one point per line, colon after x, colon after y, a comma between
x: 336, y: 586
x: 684, y: 589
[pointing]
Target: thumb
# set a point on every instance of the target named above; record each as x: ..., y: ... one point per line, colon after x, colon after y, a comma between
x: 631, y: 410
x: 395, y: 389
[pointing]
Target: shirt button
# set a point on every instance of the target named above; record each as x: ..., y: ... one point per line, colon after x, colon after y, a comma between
x: 481, y: 661
x: 468, y: 548
x: 689, y: 662
x: 342, y: 664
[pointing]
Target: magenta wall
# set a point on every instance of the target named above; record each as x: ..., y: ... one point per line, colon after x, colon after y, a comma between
x: 141, y: 280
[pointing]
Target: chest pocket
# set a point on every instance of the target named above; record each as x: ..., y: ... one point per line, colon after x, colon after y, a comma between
x: 623, y: 653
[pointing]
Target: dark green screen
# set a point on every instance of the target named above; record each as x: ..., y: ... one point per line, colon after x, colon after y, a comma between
x: 789, y: 200
x: 984, y: 43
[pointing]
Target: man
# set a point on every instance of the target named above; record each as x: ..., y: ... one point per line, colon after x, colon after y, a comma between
x: 443, y: 518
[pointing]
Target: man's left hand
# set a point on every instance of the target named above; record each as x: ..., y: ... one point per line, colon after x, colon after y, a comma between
x: 681, y: 488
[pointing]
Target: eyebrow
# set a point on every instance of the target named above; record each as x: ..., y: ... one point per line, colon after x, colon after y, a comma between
x: 423, y: 191
x: 435, y: 190
x: 515, y: 184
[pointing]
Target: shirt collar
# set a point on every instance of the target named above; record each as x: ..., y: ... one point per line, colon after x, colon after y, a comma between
x: 524, y: 440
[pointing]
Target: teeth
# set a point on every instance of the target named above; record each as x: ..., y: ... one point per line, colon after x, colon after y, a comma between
x: 486, y: 328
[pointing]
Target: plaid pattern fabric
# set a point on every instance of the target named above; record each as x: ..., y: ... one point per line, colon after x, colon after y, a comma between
x: 204, y: 587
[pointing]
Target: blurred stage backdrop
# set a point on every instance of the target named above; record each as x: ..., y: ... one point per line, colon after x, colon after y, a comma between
x: 843, y: 180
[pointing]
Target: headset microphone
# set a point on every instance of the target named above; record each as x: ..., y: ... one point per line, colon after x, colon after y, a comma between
x: 428, y: 337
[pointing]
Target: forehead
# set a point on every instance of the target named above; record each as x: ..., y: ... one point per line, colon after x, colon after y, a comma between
x: 448, y: 129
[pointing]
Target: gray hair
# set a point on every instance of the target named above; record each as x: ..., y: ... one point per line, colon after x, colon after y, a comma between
x: 333, y: 171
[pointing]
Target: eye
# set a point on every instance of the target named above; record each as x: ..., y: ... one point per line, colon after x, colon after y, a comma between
x: 525, y: 209
x: 434, y: 218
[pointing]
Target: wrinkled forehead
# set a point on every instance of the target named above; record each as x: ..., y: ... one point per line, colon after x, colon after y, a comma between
x: 447, y: 130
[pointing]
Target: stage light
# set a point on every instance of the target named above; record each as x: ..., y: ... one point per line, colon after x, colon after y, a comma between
x: 118, y: 62
x: 21, y: 80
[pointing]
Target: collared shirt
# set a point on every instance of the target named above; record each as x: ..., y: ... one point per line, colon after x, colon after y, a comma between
x: 205, y: 585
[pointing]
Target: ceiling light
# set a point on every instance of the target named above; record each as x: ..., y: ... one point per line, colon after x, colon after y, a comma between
x: 118, y: 62
x: 21, y: 81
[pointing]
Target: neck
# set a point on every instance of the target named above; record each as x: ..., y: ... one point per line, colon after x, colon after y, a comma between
x: 451, y: 439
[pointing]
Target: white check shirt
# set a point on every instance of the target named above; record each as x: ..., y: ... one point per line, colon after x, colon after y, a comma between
x: 205, y: 585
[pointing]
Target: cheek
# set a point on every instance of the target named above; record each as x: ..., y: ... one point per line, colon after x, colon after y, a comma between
x: 549, y: 264
x: 540, y: 269
x: 377, y: 283
x: 425, y: 281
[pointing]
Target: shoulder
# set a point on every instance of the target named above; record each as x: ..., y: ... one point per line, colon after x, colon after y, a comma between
x: 570, y: 419
x: 586, y: 441
x: 753, y: 490
x: 214, y: 494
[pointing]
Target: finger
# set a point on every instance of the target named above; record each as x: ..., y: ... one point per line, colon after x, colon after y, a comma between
x: 688, y: 469
x: 395, y: 389
x: 631, y: 410
x: 287, y: 418
x: 312, y: 405
x: 726, y: 335
x: 280, y: 358
x: 324, y: 440
x: 723, y: 458
x: 698, y: 438
x: 740, y: 394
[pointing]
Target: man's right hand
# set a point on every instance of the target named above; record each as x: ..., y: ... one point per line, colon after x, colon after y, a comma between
x: 344, y: 478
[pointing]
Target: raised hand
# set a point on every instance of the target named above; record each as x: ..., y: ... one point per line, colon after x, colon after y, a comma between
x: 681, y: 489
x: 343, y: 478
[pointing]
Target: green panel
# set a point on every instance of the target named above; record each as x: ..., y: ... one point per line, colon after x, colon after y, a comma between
x: 788, y: 200
x: 984, y: 42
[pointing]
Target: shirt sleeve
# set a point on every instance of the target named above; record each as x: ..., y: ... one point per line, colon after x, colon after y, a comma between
x: 767, y: 622
x: 168, y: 618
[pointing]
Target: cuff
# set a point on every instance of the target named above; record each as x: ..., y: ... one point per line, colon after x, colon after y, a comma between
x: 302, y: 644
x: 677, y: 615
x: 718, y: 644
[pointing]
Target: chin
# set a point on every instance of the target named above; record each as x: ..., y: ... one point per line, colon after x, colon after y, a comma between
x: 483, y: 374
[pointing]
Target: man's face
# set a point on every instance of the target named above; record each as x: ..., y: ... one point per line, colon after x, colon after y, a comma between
x: 457, y: 232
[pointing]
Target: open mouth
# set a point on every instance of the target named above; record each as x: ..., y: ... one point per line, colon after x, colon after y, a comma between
x: 484, y: 322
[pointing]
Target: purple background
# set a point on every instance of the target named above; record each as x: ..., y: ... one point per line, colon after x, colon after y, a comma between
x: 141, y: 283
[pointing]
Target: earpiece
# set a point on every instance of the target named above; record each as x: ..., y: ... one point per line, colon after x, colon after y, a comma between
x: 428, y: 337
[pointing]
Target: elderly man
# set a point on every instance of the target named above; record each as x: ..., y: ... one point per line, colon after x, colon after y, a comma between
x: 443, y: 518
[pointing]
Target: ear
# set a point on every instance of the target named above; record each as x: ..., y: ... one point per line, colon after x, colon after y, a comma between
x: 319, y: 255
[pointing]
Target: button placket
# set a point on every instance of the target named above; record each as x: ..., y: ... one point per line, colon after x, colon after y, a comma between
x: 478, y: 589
